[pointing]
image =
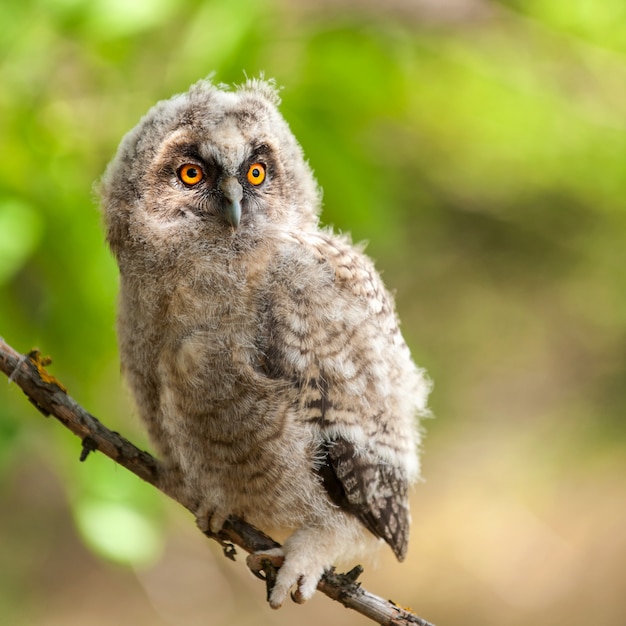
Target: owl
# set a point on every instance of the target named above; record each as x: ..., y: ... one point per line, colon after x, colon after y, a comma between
x: 263, y: 351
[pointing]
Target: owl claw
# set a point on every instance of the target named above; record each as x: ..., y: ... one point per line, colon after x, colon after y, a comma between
x: 262, y: 561
x: 265, y: 565
x: 210, y: 520
x: 297, y: 596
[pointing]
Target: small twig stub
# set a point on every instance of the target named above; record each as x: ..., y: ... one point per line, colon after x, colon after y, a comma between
x: 89, y: 445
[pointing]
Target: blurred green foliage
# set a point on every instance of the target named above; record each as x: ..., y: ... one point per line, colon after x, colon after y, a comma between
x: 483, y: 155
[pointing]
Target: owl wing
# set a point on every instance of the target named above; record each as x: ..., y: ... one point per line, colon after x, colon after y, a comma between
x: 374, y: 492
x: 333, y: 334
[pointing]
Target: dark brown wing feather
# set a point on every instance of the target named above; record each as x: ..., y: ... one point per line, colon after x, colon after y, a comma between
x: 373, y: 492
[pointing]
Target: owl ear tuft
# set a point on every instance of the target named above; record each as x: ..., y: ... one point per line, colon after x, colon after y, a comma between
x: 262, y: 87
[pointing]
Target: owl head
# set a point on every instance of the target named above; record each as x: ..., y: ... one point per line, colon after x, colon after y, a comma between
x: 211, y: 164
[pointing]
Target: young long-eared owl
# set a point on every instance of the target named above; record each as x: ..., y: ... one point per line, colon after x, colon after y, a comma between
x: 263, y: 351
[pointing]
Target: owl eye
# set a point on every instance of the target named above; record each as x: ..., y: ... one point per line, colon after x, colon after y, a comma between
x: 256, y: 174
x: 190, y: 174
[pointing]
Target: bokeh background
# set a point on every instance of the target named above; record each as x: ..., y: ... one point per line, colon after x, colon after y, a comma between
x: 480, y: 147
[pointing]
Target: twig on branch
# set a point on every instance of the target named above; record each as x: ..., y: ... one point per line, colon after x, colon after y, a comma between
x: 51, y: 398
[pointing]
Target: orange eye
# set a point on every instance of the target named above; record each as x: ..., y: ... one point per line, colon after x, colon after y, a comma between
x: 256, y: 174
x: 190, y: 174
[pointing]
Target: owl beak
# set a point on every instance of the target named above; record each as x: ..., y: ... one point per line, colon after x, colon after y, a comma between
x: 233, y: 194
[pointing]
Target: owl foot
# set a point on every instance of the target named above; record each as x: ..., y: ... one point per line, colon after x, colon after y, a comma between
x: 210, y: 520
x: 282, y: 571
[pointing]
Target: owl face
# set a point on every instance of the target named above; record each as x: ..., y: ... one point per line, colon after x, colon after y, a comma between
x: 211, y: 164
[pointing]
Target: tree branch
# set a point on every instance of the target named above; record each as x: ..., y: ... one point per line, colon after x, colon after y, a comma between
x: 51, y: 398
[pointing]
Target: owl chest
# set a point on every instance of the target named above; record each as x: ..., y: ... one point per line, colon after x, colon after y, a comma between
x: 213, y: 333
x: 194, y: 328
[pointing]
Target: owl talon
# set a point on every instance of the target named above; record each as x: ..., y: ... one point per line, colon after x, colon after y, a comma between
x: 297, y: 595
x: 265, y: 566
x: 262, y: 561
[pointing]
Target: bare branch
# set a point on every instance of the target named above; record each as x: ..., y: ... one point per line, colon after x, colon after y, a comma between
x: 50, y: 397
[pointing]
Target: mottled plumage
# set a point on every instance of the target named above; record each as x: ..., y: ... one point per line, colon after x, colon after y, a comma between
x: 263, y: 352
